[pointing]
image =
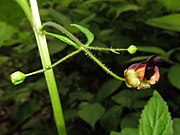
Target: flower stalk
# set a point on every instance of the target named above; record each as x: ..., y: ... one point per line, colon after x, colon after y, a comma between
x: 86, y: 48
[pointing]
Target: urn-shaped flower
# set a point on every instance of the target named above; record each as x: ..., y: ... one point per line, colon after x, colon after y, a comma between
x: 144, y: 74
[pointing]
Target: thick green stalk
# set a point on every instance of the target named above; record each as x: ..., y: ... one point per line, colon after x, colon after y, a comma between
x: 49, y: 75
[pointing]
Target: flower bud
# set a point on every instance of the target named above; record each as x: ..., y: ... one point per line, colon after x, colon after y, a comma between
x: 132, y: 49
x: 17, y: 77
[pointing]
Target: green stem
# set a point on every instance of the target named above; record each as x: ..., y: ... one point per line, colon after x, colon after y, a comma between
x: 102, y: 65
x: 65, y: 58
x: 55, y: 64
x: 105, y: 49
x: 63, y: 30
x: 49, y: 75
x: 36, y: 72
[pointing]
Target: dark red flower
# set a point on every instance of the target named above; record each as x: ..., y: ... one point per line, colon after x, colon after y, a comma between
x: 144, y: 74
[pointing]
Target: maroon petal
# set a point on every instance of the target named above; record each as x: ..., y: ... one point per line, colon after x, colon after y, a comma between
x: 140, y: 71
x: 139, y: 68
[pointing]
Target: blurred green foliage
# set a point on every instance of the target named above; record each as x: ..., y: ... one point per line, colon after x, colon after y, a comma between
x: 93, y: 102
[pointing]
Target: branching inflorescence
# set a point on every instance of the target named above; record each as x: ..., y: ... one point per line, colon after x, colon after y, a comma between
x: 18, y: 77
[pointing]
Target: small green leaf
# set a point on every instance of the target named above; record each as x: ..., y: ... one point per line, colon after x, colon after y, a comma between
x: 170, y: 52
x: 171, y: 5
x: 60, y: 18
x: 129, y: 131
x: 173, y: 76
x: 137, y: 58
x: 176, y: 126
x: 64, y: 3
x: 126, y: 131
x: 130, y: 120
x: 22, y: 95
x: 88, y: 18
x: 143, y: 2
x: 121, y: 8
x: 138, y: 104
x: 89, y: 34
x: 155, y: 118
x: 26, y: 109
x: 114, y: 133
x: 63, y: 38
x: 111, y: 118
x: 151, y: 49
x: 80, y: 96
x: 70, y: 114
x: 169, y: 22
x: 123, y: 98
x: 26, y: 8
x: 9, y: 20
x: 108, y: 88
x: 4, y: 59
x: 55, y: 46
x: 91, y: 113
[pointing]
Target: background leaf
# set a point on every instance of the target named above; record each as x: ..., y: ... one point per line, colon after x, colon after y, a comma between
x: 114, y: 133
x: 126, y: 131
x: 9, y: 20
x: 130, y: 120
x: 151, y: 49
x: 176, y: 126
x: 155, y: 118
x: 173, y: 76
x: 171, y: 5
x: 91, y: 113
x: 107, y: 89
x: 120, y: 8
x: 60, y: 18
x: 80, y: 96
x: 168, y: 22
x: 123, y: 98
x: 111, y: 118
x: 129, y: 131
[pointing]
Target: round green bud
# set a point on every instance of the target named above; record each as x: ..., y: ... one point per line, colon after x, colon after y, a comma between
x: 132, y: 49
x: 17, y: 77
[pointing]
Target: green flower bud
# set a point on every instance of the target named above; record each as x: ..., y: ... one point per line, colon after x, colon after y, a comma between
x: 132, y: 49
x: 17, y: 77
